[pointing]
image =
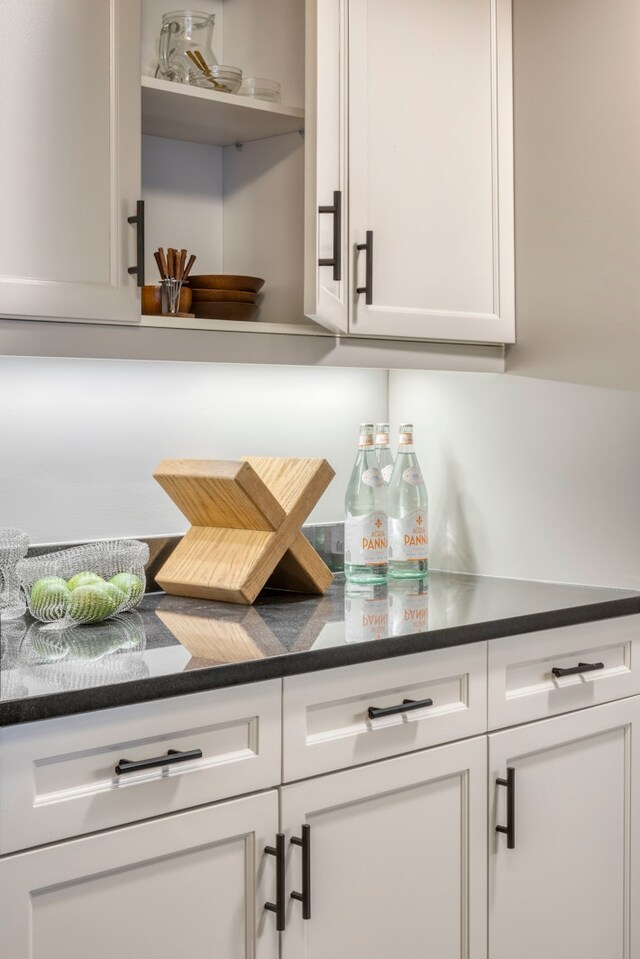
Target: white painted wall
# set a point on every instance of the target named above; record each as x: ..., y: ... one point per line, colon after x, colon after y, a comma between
x: 79, y: 439
x: 577, y: 185
x: 527, y: 478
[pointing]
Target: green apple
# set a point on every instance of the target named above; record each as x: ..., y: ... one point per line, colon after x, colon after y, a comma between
x: 130, y: 584
x: 84, y: 579
x: 90, y: 604
x: 117, y: 595
x: 49, y: 598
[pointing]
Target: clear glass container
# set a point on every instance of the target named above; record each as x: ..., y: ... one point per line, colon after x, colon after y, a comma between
x: 224, y: 79
x: 408, y: 505
x: 385, y: 456
x: 84, y: 584
x: 185, y: 48
x: 14, y: 544
x: 366, y: 547
x: 261, y: 89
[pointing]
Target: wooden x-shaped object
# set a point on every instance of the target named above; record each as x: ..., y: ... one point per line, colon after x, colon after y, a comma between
x: 245, y: 526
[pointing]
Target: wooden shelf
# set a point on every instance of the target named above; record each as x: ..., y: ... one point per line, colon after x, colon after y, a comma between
x: 182, y: 112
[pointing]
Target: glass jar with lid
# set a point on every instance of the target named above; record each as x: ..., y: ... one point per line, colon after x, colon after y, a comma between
x: 186, y: 38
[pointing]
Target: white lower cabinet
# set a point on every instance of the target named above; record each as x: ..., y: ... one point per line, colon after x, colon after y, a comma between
x: 191, y: 885
x: 397, y: 858
x: 565, y: 888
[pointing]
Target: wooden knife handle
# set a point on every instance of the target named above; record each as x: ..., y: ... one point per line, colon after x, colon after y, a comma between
x: 192, y: 260
x: 158, y: 260
x: 181, y: 263
x: 171, y: 257
x: 163, y: 260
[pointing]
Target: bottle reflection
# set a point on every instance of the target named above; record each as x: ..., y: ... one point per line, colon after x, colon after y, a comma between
x: 408, y: 607
x: 366, y: 613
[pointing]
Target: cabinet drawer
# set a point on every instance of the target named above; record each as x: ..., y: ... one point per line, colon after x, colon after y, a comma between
x: 326, y: 722
x: 58, y: 777
x: 523, y: 686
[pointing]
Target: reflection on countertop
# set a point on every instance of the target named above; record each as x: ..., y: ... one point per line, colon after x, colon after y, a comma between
x: 172, y: 645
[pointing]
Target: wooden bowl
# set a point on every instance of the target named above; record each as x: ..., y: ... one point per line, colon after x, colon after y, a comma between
x: 226, y: 311
x: 152, y: 300
x: 223, y: 296
x: 221, y: 281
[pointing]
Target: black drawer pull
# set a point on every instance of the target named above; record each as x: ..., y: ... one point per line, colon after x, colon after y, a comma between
x: 336, y: 211
x: 173, y: 756
x: 510, y: 829
x: 305, y: 896
x: 367, y: 289
x: 573, y: 670
x: 375, y: 712
x: 138, y: 219
x: 279, y: 905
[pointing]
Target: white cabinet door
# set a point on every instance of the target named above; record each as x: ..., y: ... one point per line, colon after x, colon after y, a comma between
x: 191, y: 885
x: 327, y: 271
x: 397, y: 858
x: 568, y: 888
x: 70, y: 167
x: 431, y: 168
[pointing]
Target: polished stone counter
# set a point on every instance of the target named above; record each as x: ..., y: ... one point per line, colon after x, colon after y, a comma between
x: 171, y: 646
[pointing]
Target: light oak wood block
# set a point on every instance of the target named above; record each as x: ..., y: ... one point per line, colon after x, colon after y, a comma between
x: 217, y: 640
x: 246, y: 518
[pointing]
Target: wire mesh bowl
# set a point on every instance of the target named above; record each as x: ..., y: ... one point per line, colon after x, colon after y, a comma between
x: 14, y: 544
x: 84, y: 584
x: 99, y: 654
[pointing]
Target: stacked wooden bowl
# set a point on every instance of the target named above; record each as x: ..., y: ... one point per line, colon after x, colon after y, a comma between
x: 218, y: 296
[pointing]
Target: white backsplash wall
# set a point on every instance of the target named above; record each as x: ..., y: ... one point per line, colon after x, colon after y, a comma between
x: 79, y: 439
x: 527, y: 478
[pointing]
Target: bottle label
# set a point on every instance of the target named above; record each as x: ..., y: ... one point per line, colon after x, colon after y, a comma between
x: 366, y: 618
x: 373, y: 477
x: 412, y: 475
x: 365, y: 540
x: 409, y: 612
x: 387, y: 471
x: 408, y: 539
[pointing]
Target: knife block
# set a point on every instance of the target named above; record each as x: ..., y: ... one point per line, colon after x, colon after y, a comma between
x: 245, y: 527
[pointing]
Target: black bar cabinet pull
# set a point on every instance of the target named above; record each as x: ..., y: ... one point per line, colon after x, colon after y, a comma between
x: 173, y: 756
x: 138, y: 219
x: 510, y: 829
x: 279, y: 905
x: 336, y: 212
x: 367, y: 289
x: 573, y: 670
x: 305, y: 896
x: 375, y: 712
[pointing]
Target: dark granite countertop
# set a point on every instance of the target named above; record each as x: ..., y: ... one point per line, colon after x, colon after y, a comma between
x: 171, y: 646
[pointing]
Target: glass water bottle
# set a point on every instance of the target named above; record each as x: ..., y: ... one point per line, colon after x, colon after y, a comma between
x: 366, y: 546
x: 408, y: 502
x: 385, y: 456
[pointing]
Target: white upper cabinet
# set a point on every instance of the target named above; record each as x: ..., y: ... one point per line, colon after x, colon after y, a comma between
x: 326, y: 283
x: 70, y: 112
x: 429, y: 148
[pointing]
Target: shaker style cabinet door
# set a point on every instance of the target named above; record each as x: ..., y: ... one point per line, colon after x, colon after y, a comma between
x: 568, y: 885
x: 327, y: 270
x: 191, y: 885
x: 70, y: 167
x: 431, y: 169
x: 395, y: 856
